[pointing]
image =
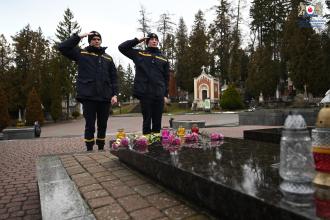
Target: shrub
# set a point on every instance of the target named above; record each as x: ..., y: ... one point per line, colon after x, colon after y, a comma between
x: 231, y: 99
x: 33, y: 109
x: 4, y: 115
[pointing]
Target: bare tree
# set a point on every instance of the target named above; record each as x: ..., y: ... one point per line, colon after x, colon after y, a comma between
x: 144, y: 21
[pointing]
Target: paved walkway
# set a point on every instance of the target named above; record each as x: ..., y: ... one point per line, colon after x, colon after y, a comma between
x: 19, y: 197
x: 113, y: 191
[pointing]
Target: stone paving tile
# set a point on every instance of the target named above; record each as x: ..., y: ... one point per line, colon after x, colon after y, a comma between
x: 95, y: 169
x: 129, y: 177
x: 106, y: 178
x: 179, y: 212
x: 135, y: 182
x: 120, y: 191
x: 112, y: 211
x: 133, y: 202
x: 80, y: 175
x: 89, y: 188
x: 146, y: 214
x: 99, y: 202
x: 146, y: 189
x: 162, y: 200
x: 75, y: 170
x: 84, y: 181
x: 122, y: 173
x: 100, y: 174
x: 95, y: 194
x: 112, y: 183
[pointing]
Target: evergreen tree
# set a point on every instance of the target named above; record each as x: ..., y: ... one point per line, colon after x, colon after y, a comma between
x: 198, y: 54
x: 220, y: 35
x: 33, y: 108
x: 323, y: 79
x: 56, y: 102
x: 4, y: 115
x: 5, y: 58
x: 169, y: 49
x: 30, y: 52
x: 129, y: 79
x: 182, y: 62
x: 121, y: 79
x: 54, y: 87
x: 64, y: 30
x: 303, y: 53
x: 262, y: 73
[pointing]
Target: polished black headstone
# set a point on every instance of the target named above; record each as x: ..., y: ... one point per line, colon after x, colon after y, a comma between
x: 272, y: 135
x: 237, y: 180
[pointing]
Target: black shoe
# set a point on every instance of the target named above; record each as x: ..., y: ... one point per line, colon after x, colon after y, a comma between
x: 89, y: 148
x: 100, y: 147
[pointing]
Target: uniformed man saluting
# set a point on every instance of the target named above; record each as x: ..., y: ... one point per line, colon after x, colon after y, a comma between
x: 151, y: 80
x: 96, y: 83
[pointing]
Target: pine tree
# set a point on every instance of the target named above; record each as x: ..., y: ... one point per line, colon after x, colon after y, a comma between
x: 30, y: 51
x: 64, y: 30
x: 198, y: 54
x: 4, y: 115
x: 220, y: 40
x: 56, y: 102
x: 5, y: 58
x: 262, y: 73
x: 33, y: 108
x: 182, y: 62
x: 303, y: 54
x: 129, y: 78
x: 121, y: 80
x: 169, y: 49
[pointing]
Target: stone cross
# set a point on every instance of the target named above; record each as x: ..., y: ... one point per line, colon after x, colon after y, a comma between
x: 203, y: 69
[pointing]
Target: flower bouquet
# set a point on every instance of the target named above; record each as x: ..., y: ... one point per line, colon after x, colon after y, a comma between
x: 141, y: 144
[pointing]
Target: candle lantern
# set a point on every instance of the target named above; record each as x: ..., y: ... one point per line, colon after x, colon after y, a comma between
x: 194, y: 128
x: 181, y: 131
x: 120, y: 133
x: 321, y: 143
x: 296, y: 162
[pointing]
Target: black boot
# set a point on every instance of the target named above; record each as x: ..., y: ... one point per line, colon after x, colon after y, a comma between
x: 89, y: 147
x: 100, y: 142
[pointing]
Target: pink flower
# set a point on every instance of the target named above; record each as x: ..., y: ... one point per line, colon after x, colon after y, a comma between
x: 216, y: 136
x: 124, y: 142
x: 141, y: 144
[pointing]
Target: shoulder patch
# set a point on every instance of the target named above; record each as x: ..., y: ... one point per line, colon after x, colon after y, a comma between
x: 106, y: 56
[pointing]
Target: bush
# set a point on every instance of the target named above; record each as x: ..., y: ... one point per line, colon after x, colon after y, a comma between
x: 33, y: 109
x: 75, y: 114
x: 4, y: 115
x: 231, y: 99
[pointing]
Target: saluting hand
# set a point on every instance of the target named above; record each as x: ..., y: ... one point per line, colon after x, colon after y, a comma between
x: 114, y: 100
x: 143, y: 39
x: 83, y: 35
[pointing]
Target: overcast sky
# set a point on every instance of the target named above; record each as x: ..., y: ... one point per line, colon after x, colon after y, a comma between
x: 115, y: 20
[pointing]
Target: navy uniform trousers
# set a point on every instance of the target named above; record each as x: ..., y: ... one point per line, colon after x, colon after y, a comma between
x: 152, y: 110
x: 99, y: 112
